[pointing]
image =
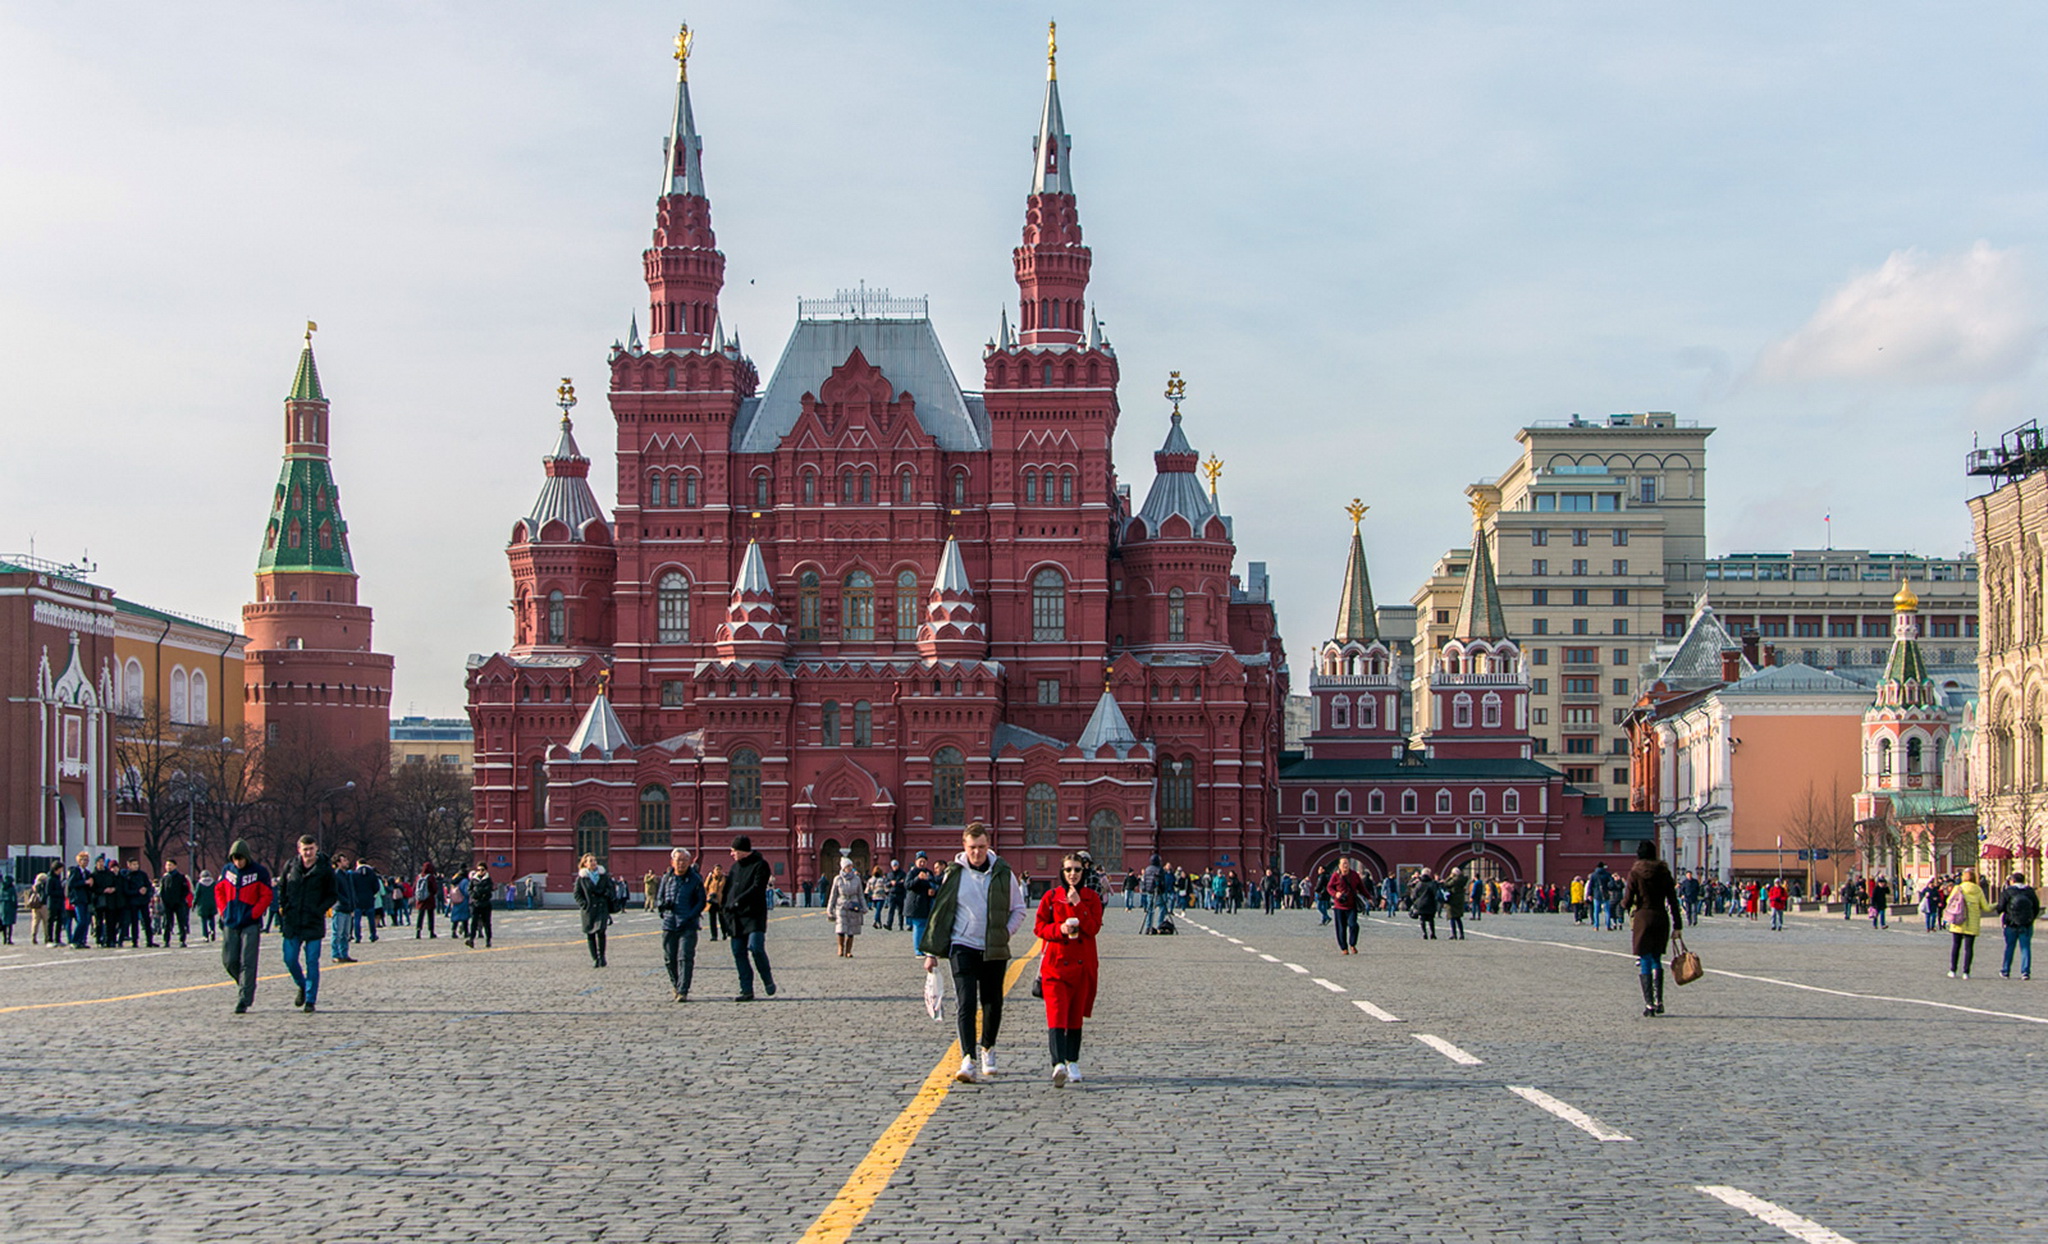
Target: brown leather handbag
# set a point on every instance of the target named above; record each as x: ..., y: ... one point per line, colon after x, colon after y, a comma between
x: 1685, y: 965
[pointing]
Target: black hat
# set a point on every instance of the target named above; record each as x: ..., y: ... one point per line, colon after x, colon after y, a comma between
x: 742, y: 843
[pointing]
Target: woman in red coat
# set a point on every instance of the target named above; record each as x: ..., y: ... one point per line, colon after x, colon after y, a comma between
x: 1069, y: 917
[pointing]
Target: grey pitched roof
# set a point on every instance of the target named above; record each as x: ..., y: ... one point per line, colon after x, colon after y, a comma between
x: 1175, y: 489
x: 754, y: 572
x: 1697, y: 663
x: 1480, y: 615
x: 1355, y: 618
x: 1416, y: 768
x: 600, y: 726
x: 1052, y: 147
x: 565, y: 493
x: 1795, y: 678
x: 1009, y: 734
x: 952, y: 571
x: 683, y: 150
x: 1107, y: 725
x: 907, y: 351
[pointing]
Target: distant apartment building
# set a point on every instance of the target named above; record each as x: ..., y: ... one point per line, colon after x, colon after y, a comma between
x: 1600, y: 547
x: 446, y: 741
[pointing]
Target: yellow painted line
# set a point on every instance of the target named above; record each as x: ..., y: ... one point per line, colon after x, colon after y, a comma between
x: 862, y: 1188
x: 338, y: 967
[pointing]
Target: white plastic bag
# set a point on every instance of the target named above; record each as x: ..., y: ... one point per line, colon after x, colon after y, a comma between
x: 934, y: 996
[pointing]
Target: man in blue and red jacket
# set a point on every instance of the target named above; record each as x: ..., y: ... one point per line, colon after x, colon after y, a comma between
x: 243, y: 894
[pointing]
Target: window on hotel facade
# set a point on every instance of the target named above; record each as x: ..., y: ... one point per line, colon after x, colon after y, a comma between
x: 949, y: 787
x: 743, y: 787
x: 1048, y: 605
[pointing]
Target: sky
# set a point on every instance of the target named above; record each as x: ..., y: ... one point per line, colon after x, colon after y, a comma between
x: 1376, y: 239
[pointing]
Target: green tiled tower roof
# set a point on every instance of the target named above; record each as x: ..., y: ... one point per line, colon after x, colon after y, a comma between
x: 306, y: 532
x: 1355, y: 618
x: 306, y: 385
x: 1480, y: 615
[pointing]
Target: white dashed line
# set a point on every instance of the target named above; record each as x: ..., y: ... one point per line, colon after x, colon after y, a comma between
x: 1295, y: 967
x: 1234, y: 941
x: 1332, y: 986
x: 1250, y: 950
x: 1448, y: 1050
x: 85, y: 961
x: 1777, y: 1215
x: 1375, y: 1012
x: 1268, y: 958
x: 1569, y: 1113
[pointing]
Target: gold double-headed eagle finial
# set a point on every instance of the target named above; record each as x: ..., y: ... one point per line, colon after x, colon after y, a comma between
x: 565, y: 397
x: 684, y: 40
x: 1356, y: 510
x: 311, y: 328
x: 1176, y: 391
x: 604, y: 681
x: 1212, y: 468
x: 1052, y: 51
x: 1483, y: 506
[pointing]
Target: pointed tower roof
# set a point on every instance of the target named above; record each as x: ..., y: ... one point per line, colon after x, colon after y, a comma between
x: 1480, y: 615
x: 1107, y: 725
x: 1175, y: 488
x: 952, y: 628
x: 953, y: 571
x: 306, y: 532
x: 683, y: 149
x: 1355, y: 620
x: 754, y: 573
x: 306, y: 384
x: 1049, y: 174
x: 633, y: 335
x: 600, y: 726
x: 565, y: 494
x: 753, y: 629
x: 1906, y: 680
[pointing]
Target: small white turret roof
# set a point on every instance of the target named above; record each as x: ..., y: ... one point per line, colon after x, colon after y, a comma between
x: 600, y: 726
x: 1107, y: 725
x: 754, y: 572
x: 952, y: 571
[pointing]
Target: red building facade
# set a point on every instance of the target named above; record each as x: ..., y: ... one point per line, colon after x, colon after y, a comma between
x: 853, y: 609
x: 1472, y: 796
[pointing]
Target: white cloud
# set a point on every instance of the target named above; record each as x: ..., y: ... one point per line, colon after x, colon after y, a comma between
x: 1963, y: 318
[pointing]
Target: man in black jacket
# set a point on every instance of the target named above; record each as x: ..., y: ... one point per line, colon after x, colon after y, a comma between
x: 135, y: 893
x: 679, y: 897
x: 348, y: 904
x: 304, y: 894
x: 746, y: 915
x: 176, y: 893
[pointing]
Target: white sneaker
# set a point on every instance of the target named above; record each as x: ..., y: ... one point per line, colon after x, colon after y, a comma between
x: 1073, y: 1073
x: 1059, y: 1075
x: 1951, y: 975
x: 988, y: 1063
x: 967, y: 1073
x: 1966, y: 976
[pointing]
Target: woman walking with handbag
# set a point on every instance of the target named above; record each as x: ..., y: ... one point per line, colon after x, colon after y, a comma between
x: 1652, y: 895
x: 844, y: 903
x: 1069, y: 917
x: 1965, y: 916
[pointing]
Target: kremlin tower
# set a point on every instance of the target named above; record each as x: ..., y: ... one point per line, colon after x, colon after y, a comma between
x: 311, y: 677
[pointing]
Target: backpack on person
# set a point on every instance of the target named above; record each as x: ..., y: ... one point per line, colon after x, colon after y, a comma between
x: 2022, y: 907
x: 1958, y: 910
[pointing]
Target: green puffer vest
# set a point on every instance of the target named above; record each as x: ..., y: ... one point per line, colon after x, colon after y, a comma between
x: 938, y: 935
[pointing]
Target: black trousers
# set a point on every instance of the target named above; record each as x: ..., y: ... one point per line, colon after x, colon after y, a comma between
x: 180, y: 918
x: 480, y: 923
x: 679, y: 955
x: 423, y: 918
x: 977, y: 987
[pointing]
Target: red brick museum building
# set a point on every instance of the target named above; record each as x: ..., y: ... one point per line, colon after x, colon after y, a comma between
x: 855, y: 607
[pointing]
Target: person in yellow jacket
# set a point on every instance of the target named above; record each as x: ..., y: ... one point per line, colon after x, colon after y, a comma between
x: 1578, y: 900
x: 1964, y: 913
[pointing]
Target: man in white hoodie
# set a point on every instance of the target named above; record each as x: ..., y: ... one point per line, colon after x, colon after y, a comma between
x: 979, y: 908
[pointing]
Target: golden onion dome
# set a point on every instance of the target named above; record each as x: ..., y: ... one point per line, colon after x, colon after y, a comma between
x: 1905, y: 601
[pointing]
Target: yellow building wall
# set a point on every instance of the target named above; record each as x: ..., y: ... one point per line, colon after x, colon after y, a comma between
x: 217, y: 655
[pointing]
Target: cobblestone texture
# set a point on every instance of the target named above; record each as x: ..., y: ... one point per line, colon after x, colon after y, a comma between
x: 449, y: 1094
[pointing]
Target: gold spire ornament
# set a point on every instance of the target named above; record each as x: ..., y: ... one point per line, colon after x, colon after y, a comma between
x: 1176, y: 391
x: 1356, y: 510
x: 565, y: 397
x: 1483, y: 507
x: 1052, y: 51
x: 684, y: 42
x: 311, y: 328
x: 604, y: 681
x: 1212, y: 468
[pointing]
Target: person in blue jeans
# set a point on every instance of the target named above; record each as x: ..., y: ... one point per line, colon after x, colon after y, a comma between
x: 746, y: 916
x: 304, y: 893
x: 2018, y: 907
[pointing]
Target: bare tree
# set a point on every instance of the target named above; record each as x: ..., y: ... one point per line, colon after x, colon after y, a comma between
x: 1823, y: 821
x: 359, y: 818
x: 154, y: 781
x: 301, y: 779
x: 227, y: 770
x: 431, y: 813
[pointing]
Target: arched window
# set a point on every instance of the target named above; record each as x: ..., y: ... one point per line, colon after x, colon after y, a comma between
x: 1066, y: 488
x: 180, y: 695
x: 654, y: 830
x: 672, y: 609
x: 653, y: 489
x: 810, y: 487
x: 1106, y: 839
x: 1368, y: 711
x: 743, y: 787
x: 863, y: 724
x: 867, y: 486
x: 675, y: 491
x: 690, y: 489
x: 807, y: 605
x: 1443, y: 802
x: 558, y: 617
x: 593, y: 836
x: 131, y: 688
x: 1511, y: 802
x: 949, y: 787
x: 906, y: 606
x: 1031, y: 488
x: 1343, y: 802
x: 906, y: 486
x: 1461, y: 711
x: 196, y: 710
x: 1340, y: 712
x: 846, y: 486
x: 1913, y: 755
x: 857, y: 608
x: 959, y: 489
x: 1375, y: 803
x: 1476, y: 802
x: 1048, y: 605
x: 1310, y: 802
x: 1408, y: 803
x: 1176, y: 616
x: 1041, y: 815
x: 761, y: 491
x: 1884, y: 746
x: 1177, y: 792
x: 829, y: 723
x: 1489, y: 711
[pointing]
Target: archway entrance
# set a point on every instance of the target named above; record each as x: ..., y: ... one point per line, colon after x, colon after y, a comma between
x: 1106, y: 841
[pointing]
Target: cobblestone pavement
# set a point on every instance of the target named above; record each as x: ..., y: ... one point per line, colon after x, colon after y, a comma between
x: 1234, y: 1089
